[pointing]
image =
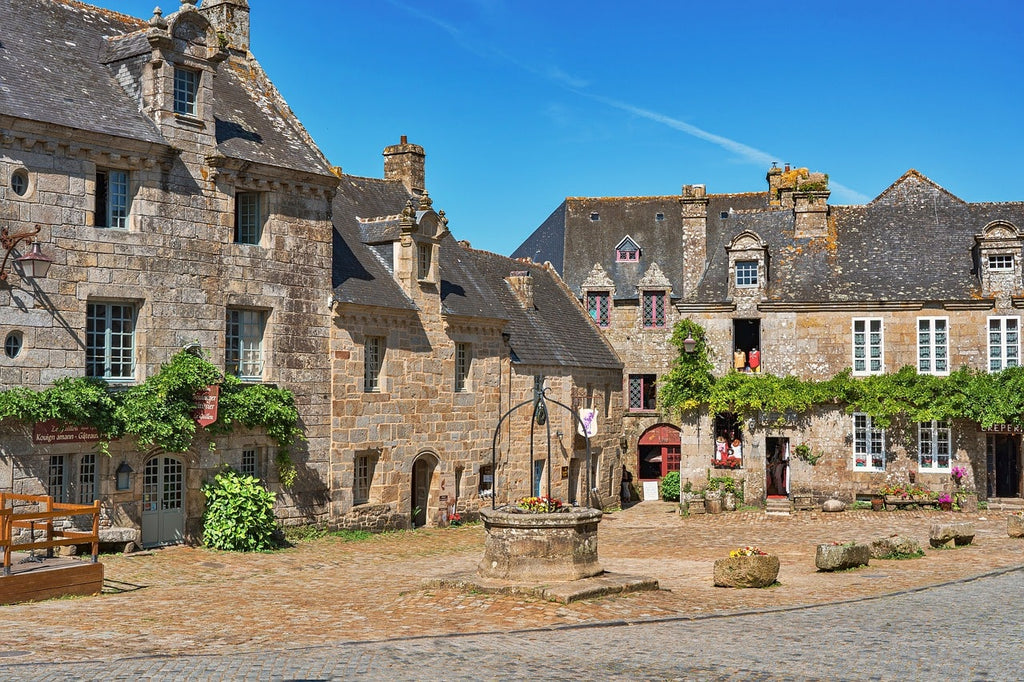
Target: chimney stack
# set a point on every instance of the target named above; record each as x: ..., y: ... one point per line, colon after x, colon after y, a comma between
x: 521, y: 282
x: 230, y: 18
x: 405, y: 162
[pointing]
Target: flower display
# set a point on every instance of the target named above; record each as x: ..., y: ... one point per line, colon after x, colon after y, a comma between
x: 540, y: 505
x: 957, y: 473
x: 945, y: 498
x: 747, y: 551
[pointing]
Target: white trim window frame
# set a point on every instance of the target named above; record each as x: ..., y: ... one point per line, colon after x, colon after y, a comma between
x: 186, y: 91
x: 110, y: 341
x: 374, y: 350
x: 248, y: 217
x: 86, y: 491
x: 113, y: 198
x: 1003, y: 342
x: 934, y: 447
x: 868, y: 346
x: 463, y: 361
x: 868, y: 444
x: 1000, y: 262
x: 933, y: 345
x: 746, y: 273
x: 244, y: 343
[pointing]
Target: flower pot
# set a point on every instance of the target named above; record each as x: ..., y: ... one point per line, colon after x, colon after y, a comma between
x: 729, y: 502
x: 946, y: 506
x: 747, y: 571
x: 877, y: 504
x: 713, y: 505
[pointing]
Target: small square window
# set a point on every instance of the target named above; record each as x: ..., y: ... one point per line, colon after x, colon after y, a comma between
x: 1000, y: 261
x: 723, y: 215
x: 746, y: 273
x: 595, y: 216
x: 186, y: 91
x: 659, y: 216
x: 250, y: 464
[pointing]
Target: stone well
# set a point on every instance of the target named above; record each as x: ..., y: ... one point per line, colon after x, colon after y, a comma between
x: 527, y: 547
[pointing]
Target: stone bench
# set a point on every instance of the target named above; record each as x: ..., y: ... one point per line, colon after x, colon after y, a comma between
x: 951, y: 534
x: 115, y: 538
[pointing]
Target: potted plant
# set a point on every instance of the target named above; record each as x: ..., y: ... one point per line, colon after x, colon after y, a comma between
x: 945, y: 502
x: 713, y: 496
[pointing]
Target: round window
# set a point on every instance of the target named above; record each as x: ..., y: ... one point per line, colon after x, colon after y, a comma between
x: 19, y: 182
x: 12, y: 344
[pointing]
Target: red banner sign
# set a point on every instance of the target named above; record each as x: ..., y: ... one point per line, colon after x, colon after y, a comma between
x: 205, y: 411
x: 53, y: 431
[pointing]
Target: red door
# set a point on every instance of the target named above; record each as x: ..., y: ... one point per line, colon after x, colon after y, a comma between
x: 658, y: 451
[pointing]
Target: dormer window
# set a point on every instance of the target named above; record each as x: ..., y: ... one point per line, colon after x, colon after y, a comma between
x: 659, y: 217
x: 746, y: 273
x: 1000, y: 262
x: 424, y: 262
x: 627, y: 251
x: 186, y: 92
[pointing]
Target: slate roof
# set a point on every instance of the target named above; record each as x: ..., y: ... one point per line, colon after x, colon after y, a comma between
x: 913, y: 242
x: 556, y: 332
x: 52, y: 70
x: 58, y: 60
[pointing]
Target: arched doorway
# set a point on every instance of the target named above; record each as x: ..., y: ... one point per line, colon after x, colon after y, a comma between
x: 658, y: 452
x: 163, y: 501
x: 422, y: 475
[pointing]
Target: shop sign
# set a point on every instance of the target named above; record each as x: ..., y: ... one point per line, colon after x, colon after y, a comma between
x: 53, y: 431
x: 1004, y: 428
x: 588, y: 427
x: 204, y: 410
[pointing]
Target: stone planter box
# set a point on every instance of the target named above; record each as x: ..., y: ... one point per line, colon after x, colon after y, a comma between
x: 803, y: 501
x: 555, y: 547
x: 1015, y: 526
x: 840, y: 557
x: 968, y: 502
x: 747, y: 571
x: 696, y: 506
x: 729, y: 502
x: 713, y: 505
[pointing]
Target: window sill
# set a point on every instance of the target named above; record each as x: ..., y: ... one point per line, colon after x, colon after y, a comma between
x: 190, y: 120
x: 643, y: 412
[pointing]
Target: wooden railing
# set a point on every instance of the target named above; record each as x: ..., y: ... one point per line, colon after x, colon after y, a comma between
x: 42, y: 520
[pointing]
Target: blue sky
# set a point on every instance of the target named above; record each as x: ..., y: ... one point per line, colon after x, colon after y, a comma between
x: 520, y: 103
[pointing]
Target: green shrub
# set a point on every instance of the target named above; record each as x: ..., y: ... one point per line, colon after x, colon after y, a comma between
x: 239, y: 514
x: 670, y: 486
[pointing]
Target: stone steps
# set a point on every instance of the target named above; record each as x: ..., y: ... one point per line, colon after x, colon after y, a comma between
x: 778, y: 506
x: 1006, y: 503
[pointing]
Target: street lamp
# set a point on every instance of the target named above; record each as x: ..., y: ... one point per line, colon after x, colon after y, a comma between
x: 34, y: 264
x: 689, y: 344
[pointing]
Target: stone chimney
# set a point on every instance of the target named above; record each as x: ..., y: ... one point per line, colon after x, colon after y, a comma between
x: 694, y: 207
x: 774, y: 179
x: 810, y: 206
x: 405, y: 162
x: 230, y: 19
x: 521, y: 282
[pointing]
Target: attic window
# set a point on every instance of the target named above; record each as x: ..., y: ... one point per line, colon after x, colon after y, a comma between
x: 1000, y: 261
x: 186, y: 91
x: 627, y: 251
x: 659, y: 216
x: 723, y: 215
x: 595, y: 216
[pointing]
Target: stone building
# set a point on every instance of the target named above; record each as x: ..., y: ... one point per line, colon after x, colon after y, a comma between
x: 432, y: 343
x: 785, y: 283
x: 183, y: 205
x: 181, y: 202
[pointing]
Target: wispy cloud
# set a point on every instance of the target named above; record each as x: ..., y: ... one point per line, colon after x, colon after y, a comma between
x: 577, y: 85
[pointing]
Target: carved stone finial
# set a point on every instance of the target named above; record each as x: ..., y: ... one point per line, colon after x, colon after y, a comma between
x: 188, y: 4
x: 409, y: 212
x: 158, y: 18
x: 426, y: 203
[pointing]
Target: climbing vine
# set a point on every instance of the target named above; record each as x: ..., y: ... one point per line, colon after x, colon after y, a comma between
x: 159, y: 410
x: 982, y: 397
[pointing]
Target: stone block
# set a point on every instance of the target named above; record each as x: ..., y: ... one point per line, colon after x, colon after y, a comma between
x: 951, y: 534
x: 1015, y: 526
x: 839, y: 557
x: 747, y: 571
x: 833, y: 505
x: 894, y: 544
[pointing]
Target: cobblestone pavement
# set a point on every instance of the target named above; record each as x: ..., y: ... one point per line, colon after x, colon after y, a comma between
x: 301, y: 613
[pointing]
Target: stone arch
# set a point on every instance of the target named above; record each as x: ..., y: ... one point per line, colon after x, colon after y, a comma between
x: 658, y: 451
x: 425, y: 490
x: 746, y: 240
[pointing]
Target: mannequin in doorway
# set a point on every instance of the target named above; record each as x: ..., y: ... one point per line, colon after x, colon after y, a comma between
x: 627, y: 480
x: 779, y: 471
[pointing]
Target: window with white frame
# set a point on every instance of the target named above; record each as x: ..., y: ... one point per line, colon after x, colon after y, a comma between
x: 868, y: 356
x: 746, y: 273
x: 599, y: 307
x: 463, y: 360
x: 243, y: 351
x: 933, y: 345
x: 868, y: 444
x: 86, y: 491
x: 1000, y: 261
x: 363, y: 479
x: 112, y: 198
x: 1003, y: 343
x: 933, y: 446
x: 56, y: 479
x: 110, y: 341
x: 653, y: 303
x: 373, y: 362
x: 423, y: 264
x: 248, y: 217
x: 186, y: 91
